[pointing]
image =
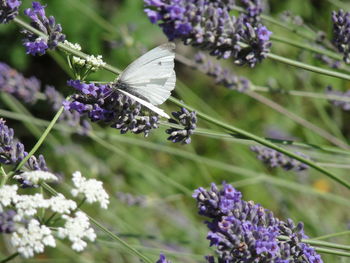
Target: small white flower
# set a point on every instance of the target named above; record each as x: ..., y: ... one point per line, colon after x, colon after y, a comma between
x: 91, y: 189
x: 36, y: 176
x: 75, y: 229
x: 8, y: 195
x: 61, y: 205
x: 95, y: 62
x: 79, y: 61
x: 75, y: 46
x: 32, y: 239
x: 27, y: 205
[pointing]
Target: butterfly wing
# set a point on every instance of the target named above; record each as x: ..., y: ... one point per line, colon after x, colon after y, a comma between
x: 146, y: 104
x: 152, y: 76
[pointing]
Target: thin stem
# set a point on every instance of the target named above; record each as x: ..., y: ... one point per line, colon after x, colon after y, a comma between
x: 328, y: 136
x: 294, y: 43
x: 103, y: 229
x: 333, y: 252
x: 308, y: 67
x: 262, y: 141
x: 332, y: 235
x: 5, y: 177
x: 9, y: 257
x: 40, y: 141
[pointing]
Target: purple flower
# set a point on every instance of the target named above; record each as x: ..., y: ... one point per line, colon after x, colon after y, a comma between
x: 221, y: 75
x: 162, y: 259
x: 263, y: 33
x: 36, y: 47
x: 8, y: 10
x: 14, y: 83
x: 248, y: 232
x: 186, y: 119
x: 105, y: 103
x: 344, y: 105
x: 34, y: 44
x: 341, y: 33
x: 276, y: 159
x: 7, y: 223
x: 208, y: 25
x: 12, y: 152
x: 152, y: 15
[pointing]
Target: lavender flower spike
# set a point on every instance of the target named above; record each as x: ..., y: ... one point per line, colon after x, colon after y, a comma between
x: 186, y: 119
x: 105, y: 103
x: 344, y: 105
x: 36, y: 45
x: 244, y: 232
x: 208, y: 25
x: 16, y: 84
x: 341, y: 33
x: 8, y: 10
x: 274, y: 159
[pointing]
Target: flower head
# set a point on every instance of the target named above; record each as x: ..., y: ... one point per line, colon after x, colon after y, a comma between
x: 16, y: 84
x: 221, y: 75
x: 36, y: 45
x: 32, y: 239
x: 162, y: 259
x: 91, y: 189
x: 208, y: 25
x: 105, y: 103
x: 186, y: 119
x: 76, y: 229
x: 246, y: 232
x: 7, y: 223
x: 35, y: 177
x: 274, y: 159
x: 341, y: 33
x: 8, y: 10
x: 344, y: 105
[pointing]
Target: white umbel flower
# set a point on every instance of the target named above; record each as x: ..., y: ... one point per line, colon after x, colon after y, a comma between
x: 61, y: 205
x: 37, y: 176
x: 76, y: 229
x: 27, y: 205
x: 75, y: 46
x: 91, y: 189
x: 95, y: 61
x: 32, y: 239
x: 8, y: 195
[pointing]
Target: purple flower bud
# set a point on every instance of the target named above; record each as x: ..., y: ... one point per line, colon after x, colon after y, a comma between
x: 8, y: 10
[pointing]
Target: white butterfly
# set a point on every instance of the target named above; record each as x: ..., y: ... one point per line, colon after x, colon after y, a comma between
x: 150, y: 79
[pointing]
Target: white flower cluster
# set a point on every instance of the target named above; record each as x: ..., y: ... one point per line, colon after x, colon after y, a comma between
x: 32, y: 239
x: 95, y: 62
x: 75, y: 229
x: 91, y: 189
x: 36, y: 176
x: 30, y: 236
x: 75, y: 46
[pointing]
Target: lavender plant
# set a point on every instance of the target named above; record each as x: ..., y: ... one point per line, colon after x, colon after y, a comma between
x: 243, y: 231
x: 209, y: 25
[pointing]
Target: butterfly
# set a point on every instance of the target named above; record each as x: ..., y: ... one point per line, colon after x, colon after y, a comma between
x: 150, y: 79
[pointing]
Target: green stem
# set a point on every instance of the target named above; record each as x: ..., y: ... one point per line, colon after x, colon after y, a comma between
x: 263, y: 142
x: 333, y: 252
x: 40, y: 141
x: 103, y: 229
x: 332, y: 235
x: 308, y: 67
x: 5, y: 177
x: 9, y: 257
x: 294, y: 43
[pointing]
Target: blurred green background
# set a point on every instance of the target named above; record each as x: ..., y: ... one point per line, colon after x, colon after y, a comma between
x: 165, y: 174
